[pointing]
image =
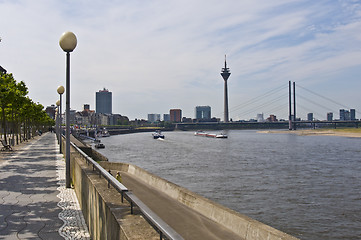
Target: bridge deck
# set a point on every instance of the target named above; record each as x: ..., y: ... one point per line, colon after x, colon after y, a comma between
x: 188, y: 223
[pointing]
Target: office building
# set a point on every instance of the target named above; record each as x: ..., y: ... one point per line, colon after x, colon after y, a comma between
x: 166, y: 117
x: 175, y: 115
x: 310, y: 117
x: 153, y: 117
x: 260, y: 117
x: 329, y: 116
x: 203, y: 112
x: 353, y: 114
x: 346, y: 115
x: 103, y: 100
x: 342, y: 114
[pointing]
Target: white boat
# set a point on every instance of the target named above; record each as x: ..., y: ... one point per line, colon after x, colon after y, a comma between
x: 103, y: 133
x: 158, y: 134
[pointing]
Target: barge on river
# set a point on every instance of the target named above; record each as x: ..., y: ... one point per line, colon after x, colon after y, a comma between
x: 212, y: 135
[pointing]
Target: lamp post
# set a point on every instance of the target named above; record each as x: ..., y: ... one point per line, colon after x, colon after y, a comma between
x: 68, y: 43
x: 56, y: 119
x: 60, y: 90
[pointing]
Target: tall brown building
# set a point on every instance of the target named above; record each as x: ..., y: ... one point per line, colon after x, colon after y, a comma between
x: 175, y: 115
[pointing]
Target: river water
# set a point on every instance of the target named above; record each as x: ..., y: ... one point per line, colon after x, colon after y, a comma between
x: 307, y: 186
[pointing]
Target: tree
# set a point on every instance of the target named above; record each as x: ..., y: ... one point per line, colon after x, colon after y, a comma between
x: 18, y: 111
x: 7, y: 88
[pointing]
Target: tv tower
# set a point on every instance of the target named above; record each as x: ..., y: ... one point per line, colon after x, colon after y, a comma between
x: 225, y: 74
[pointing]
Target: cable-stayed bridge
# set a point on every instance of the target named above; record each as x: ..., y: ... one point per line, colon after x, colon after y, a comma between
x: 277, y: 102
x: 281, y: 103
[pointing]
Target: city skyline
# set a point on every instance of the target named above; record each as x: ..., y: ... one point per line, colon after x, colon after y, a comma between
x: 156, y: 56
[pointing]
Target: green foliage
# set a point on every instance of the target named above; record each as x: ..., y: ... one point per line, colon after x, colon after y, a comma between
x: 17, y: 111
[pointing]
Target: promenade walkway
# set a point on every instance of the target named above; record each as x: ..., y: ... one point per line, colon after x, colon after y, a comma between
x: 34, y: 203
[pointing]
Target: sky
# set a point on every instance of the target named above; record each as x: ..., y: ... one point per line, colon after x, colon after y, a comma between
x: 163, y: 54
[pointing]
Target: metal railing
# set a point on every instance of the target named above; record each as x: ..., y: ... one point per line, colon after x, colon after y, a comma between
x: 164, y: 230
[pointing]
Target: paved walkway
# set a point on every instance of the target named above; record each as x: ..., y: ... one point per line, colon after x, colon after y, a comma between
x: 34, y: 203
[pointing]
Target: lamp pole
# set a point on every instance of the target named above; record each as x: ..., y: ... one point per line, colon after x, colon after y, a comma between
x: 68, y: 43
x: 57, y: 119
x: 60, y: 90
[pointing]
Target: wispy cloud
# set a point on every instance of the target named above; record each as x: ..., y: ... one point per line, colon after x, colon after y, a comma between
x: 156, y: 55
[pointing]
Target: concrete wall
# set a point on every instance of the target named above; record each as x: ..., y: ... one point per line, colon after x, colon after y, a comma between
x: 242, y: 225
x: 105, y: 215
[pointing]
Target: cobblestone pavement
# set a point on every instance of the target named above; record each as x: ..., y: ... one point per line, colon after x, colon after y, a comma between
x: 74, y: 226
x: 34, y: 203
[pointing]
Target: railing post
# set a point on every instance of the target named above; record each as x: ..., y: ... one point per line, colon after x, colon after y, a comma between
x: 109, y: 179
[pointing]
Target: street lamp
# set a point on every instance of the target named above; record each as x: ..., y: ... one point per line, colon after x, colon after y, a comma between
x: 57, y: 119
x: 68, y: 43
x: 60, y: 90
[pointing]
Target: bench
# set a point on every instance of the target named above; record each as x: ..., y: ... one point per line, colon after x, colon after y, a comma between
x: 5, y: 146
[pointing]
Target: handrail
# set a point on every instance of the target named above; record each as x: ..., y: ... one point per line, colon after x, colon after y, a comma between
x: 163, y: 227
x: 158, y: 224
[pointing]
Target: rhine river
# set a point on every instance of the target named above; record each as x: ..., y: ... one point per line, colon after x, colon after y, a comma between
x: 307, y: 186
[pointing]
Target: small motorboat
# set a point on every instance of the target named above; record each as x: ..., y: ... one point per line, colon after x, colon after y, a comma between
x: 99, y: 145
x: 158, y: 134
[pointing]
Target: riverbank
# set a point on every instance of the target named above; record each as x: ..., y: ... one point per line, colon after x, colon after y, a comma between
x: 342, y: 132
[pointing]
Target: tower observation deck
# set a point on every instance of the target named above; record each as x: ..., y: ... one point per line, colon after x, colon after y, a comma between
x: 225, y: 74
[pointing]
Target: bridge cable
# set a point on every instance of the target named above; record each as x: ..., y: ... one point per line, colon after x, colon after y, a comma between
x: 254, y: 100
x: 319, y: 95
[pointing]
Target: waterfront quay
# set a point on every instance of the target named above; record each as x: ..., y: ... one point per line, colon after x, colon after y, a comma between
x: 34, y: 204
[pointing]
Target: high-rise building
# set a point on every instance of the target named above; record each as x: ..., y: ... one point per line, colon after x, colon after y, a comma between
x: 310, y: 117
x: 166, y: 117
x: 353, y: 114
x: 153, y: 117
x: 203, y: 112
x: 346, y: 115
x: 342, y: 114
x: 175, y: 115
x: 103, y: 100
x: 329, y: 116
x: 260, y: 117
